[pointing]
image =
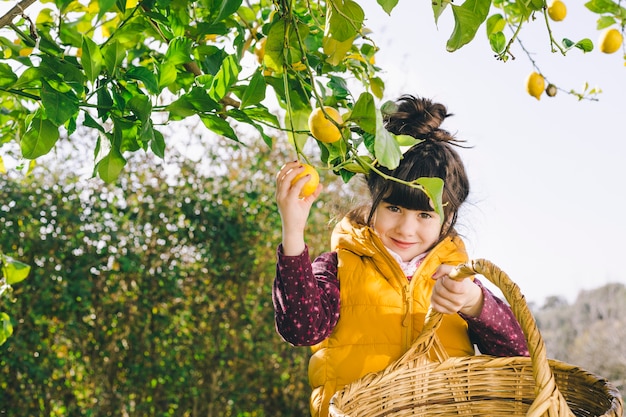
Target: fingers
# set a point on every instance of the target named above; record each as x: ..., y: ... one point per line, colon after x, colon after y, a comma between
x: 450, y: 296
x: 442, y: 271
x: 286, y: 175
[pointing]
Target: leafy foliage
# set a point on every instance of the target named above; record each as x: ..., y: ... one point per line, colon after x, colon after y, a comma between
x: 127, y: 68
x: 151, y: 298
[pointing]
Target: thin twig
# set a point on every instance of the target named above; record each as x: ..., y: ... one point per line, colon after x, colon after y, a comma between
x: 17, y: 10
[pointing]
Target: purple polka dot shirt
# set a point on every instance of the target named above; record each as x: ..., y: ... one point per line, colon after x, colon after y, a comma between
x: 307, y: 307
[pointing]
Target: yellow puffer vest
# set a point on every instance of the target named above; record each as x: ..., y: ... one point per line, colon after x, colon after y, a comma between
x: 381, y: 312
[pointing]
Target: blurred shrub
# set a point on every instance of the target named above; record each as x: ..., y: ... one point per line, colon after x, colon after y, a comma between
x: 150, y: 298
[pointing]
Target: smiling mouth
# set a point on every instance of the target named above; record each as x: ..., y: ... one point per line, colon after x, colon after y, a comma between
x: 402, y: 244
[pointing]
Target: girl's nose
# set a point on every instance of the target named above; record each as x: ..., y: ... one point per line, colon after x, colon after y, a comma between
x: 408, y: 225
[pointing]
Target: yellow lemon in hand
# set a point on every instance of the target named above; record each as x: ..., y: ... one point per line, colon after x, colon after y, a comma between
x: 557, y: 10
x: 322, y: 128
x: 311, y: 185
x: 610, y: 41
x: 535, y: 84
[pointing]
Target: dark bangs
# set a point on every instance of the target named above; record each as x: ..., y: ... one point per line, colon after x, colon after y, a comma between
x: 408, y: 197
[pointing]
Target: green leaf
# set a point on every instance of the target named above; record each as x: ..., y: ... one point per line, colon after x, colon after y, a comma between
x: 39, y: 139
x: 467, y: 19
x: 90, y: 122
x: 495, y: 24
x: 225, y: 78
x: 227, y: 8
x: 377, y: 85
x: 104, y: 100
x: 219, y: 126
x: 114, y: 54
x: 364, y: 113
x: 262, y: 114
x: 146, y: 76
x: 387, y: 5
x: 157, y: 145
x: 282, y: 45
x: 386, y: 148
x: 603, y: 6
x: 438, y: 8
x: 179, y: 51
x: 343, y: 20
x: 14, y: 271
x: 6, y: 328
x: 299, y: 119
x: 605, y: 22
x: 343, y: 23
x: 197, y: 101
x: 406, y: 140
x: 104, y: 6
x: 31, y: 77
x: 497, y: 41
x: 141, y: 107
x: 110, y: 166
x: 91, y: 59
x: 167, y: 74
x: 59, y: 106
x: 389, y: 107
x: 586, y: 45
x: 254, y: 93
x: 244, y: 117
x: 433, y: 187
x: 274, y: 47
x: 7, y: 76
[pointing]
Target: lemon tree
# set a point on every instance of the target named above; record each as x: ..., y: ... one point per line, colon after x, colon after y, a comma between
x: 128, y: 70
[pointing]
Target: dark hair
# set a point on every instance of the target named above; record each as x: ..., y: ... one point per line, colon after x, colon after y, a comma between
x: 433, y: 157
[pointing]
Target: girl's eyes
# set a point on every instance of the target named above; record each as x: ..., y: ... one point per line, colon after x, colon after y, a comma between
x: 420, y: 214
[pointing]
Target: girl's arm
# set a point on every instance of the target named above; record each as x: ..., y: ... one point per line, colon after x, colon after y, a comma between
x: 306, y: 297
x: 495, y: 330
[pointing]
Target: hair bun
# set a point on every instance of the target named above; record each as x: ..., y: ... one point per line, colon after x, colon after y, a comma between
x: 418, y: 117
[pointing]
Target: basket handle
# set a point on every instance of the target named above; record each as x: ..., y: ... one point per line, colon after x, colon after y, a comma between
x: 548, y: 399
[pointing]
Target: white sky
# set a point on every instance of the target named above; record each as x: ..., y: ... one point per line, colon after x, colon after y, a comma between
x: 547, y: 176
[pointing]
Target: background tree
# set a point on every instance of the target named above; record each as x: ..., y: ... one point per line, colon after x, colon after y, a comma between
x: 152, y: 297
x: 590, y: 332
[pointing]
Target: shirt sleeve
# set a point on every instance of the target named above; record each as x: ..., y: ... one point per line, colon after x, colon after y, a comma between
x: 306, y: 297
x: 496, y: 330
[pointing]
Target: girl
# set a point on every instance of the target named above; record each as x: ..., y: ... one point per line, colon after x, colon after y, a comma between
x: 361, y: 305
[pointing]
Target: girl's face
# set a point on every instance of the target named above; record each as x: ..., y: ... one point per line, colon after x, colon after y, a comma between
x: 406, y: 232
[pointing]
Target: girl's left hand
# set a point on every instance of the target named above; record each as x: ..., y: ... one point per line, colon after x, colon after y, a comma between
x: 451, y: 296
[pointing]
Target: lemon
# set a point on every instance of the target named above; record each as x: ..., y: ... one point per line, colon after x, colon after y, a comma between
x: 610, y: 41
x: 551, y: 90
x: 322, y: 128
x: 311, y: 185
x: 557, y: 10
x: 535, y: 84
x: 259, y: 50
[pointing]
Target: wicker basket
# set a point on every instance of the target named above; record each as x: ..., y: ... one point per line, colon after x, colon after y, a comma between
x: 482, y: 385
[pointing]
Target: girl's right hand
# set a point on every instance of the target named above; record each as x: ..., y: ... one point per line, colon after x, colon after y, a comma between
x: 294, y: 211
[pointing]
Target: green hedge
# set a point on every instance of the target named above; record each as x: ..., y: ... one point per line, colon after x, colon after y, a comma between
x: 152, y: 298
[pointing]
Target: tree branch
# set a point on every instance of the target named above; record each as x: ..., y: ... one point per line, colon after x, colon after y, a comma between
x: 18, y: 9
